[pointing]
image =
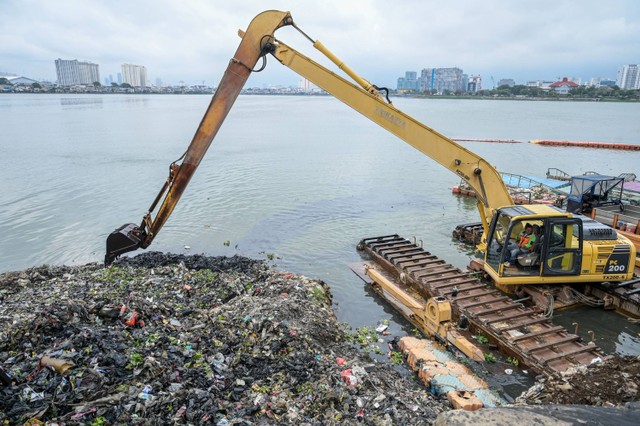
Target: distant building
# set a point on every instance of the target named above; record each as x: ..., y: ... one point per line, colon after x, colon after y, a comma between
x: 17, y: 79
x: 563, y: 87
x: 506, y: 82
x: 576, y: 80
x: 474, y: 84
x: 628, y: 77
x: 540, y: 84
x: 135, y: 75
x: 74, y: 72
x: 409, y: 82
x: 440, y: 79
x: 598, y: 82
x: 119, y: 78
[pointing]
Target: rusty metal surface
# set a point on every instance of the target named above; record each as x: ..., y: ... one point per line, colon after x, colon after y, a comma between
x: 518, y: 330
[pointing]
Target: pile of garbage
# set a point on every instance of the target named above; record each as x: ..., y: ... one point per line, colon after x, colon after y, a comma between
x: 612, y: 382
x: 162, y: 338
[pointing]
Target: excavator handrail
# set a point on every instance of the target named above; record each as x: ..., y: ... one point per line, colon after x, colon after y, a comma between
x: 258, y: 41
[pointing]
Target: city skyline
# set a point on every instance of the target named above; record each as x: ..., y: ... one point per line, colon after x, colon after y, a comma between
x: 524, y: 41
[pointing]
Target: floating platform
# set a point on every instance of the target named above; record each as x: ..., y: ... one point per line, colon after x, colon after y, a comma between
x: 601, y: 145
x: 426, y: 286
x: 443, y: 374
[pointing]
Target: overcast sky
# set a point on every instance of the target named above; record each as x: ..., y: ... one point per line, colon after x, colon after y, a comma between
x: 192, y: 40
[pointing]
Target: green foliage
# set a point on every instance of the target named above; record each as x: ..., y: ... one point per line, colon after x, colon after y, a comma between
x: 513, y: 360
x: 396, y: 357
x: 481, y: 338
x: 489, y: 357
x: 363, y: 336
x: 135, y: 360
x: 318, y: 295
x: 204, y: 275
x: 99, y: 421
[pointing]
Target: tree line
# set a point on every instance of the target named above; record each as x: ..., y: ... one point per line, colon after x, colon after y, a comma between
x: 522, y: 91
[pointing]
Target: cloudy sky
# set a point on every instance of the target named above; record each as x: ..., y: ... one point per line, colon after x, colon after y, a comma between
x: 192, y: 40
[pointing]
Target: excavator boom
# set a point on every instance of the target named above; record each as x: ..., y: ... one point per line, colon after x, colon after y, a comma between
x: 130, y: 237
x: 364, y: 97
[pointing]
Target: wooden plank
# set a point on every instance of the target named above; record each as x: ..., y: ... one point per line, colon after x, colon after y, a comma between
x: 463, y: 289
x: 586, y: 348
x: 539, y: 333
x: 448, y: 283
x: 378, y: 245
x: 470, y: 296
x: 485, y: 302
x: 429, y: 274
x: 435, y: 280
x: 392, y: 246
x: 497, y: 309
x: 508, y: 317
x: 566, y: 339
x: 523, y: 324
x: 407, y: 251
x: 428, y: 262
x: 401, y: 259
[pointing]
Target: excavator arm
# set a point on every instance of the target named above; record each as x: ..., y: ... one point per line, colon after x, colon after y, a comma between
x: 364, y: 97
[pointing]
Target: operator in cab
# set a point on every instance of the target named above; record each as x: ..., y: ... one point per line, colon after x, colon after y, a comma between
x: 523, y: 244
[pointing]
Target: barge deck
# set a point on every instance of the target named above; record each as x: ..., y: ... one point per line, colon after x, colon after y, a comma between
x: 415, y: 276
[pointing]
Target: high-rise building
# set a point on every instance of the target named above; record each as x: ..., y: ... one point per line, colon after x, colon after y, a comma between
x: 409, y: 81
x: 440, y: 79
x: 506, y: 82
x: 628, y: 77
x: 135, y: 75
x: 72, y: 72
x: 474, y: 84
x: 119, y: 78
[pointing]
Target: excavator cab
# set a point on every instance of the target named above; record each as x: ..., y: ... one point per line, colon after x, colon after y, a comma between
x: 555, y: 248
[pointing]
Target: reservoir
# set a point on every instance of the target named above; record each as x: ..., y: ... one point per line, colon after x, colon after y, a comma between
x: 296, y: 179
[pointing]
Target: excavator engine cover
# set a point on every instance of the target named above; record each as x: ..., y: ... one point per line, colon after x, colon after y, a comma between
x: 126, y: 238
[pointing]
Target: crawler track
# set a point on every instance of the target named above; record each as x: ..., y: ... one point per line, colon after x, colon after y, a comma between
x: 518, y: 330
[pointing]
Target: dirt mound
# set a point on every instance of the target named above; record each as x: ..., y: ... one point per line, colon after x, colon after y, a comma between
x: 160, y: 339
x: 614, y: 381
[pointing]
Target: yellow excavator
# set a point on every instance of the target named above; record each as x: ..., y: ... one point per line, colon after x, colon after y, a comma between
x: 569, y: 248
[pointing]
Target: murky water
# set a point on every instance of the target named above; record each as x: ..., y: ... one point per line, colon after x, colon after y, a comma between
x: 303, y: 178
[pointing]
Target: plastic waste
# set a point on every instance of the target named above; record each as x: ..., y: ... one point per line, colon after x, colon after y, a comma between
x: 6, y: 378
x: 30, y: 395
x: 146, y: 393
x: 61, y: 366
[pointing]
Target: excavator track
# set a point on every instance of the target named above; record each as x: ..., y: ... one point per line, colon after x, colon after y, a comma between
x: 518, y: 331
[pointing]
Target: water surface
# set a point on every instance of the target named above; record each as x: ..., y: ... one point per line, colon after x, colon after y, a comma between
x: 302, y: 178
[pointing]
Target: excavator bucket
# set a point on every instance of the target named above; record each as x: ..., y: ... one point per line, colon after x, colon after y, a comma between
x: 127, y: 238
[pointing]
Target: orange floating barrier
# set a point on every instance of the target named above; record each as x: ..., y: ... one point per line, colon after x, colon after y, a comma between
x: 601, y: 145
